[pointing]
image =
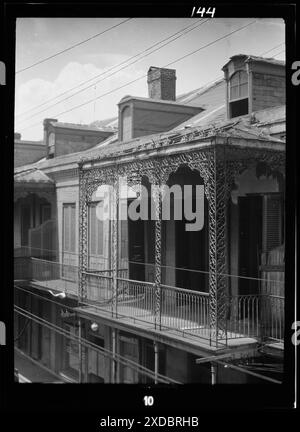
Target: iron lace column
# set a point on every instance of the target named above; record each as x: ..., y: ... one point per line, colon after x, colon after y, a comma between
x: 218, y: 279
x: 158, y: 229
x: 83, y: 229
x: 115, y: 243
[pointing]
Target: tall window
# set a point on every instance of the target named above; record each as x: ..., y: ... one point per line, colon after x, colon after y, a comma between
x: 96, y: 239
x: 126, y: 124
x: 238, y: 94
x: 69, y: 227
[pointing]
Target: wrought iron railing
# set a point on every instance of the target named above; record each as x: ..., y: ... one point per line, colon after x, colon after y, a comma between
x: 243, y: 316
x: 259, y: 316
x: 185, y: 310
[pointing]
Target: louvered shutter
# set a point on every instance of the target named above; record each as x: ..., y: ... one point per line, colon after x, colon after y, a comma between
x: 272, y: 221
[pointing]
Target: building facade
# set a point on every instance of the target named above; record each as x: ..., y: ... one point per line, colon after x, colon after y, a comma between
x: 147, y: 299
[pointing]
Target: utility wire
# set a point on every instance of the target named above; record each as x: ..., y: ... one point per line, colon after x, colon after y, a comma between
x: 22, y: 331
x: 86, y: 343
x: 143, y: 76
x: 73, y: 46
x: 188, y: 28
x: 280, y: 52
x: 162, y: 266
x: 277, y: 46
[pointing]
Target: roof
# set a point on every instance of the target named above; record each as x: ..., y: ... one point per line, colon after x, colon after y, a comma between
x: 111, y: 122
x: 89, y: 127
x: 239, y: 127
x: 26, y: 142
x: 32, y: 176
x: 210, y: 96
x: 252, y: 58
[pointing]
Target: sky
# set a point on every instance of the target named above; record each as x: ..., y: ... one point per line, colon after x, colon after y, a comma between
x: 39, y: 38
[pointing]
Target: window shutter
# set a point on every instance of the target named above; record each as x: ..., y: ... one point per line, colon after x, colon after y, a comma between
x: 72, y: 228
x: 92, y: 236
x: 272, y: 221
x: 66, y: 241
x: 100, y: 237
x: 69, y: 228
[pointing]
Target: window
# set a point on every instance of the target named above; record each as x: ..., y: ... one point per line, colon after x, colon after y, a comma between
x: 129, y: 348
x: 96, y: 239
x: 238, y: 94
x: 69, y: 228
x: 51, y: 144
x: 45, y: 212
x: 126, y: 124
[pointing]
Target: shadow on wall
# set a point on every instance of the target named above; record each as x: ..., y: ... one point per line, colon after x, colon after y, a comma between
x: 2, y: 333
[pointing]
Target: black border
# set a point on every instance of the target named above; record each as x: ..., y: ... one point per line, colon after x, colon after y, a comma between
x: 128, y: 400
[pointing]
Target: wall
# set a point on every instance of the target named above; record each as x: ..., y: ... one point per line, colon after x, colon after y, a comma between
x: 148, y: 116
x: 71, y: 140
x: 267, y: 90
x: 177, y: 364
x: 66, y: 143
x: 247, y: 183
x: 17, y: 225
x: 25, y: 153
x: 67, y: 191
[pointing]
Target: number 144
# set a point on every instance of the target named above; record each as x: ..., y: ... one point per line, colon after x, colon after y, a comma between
x: 202, y: 11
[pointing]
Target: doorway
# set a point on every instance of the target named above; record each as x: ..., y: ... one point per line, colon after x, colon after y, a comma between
x: 250, y: 242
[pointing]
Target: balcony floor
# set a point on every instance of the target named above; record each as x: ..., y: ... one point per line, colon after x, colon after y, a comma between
x: 145, y: 318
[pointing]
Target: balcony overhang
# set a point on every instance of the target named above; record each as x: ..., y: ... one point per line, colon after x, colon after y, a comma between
x: 241, y: 141
x: 33, y: 181
x: 195, y: 345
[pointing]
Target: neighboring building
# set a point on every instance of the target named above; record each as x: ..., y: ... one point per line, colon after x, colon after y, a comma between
x: 156, y: 294
x: 27, y: 152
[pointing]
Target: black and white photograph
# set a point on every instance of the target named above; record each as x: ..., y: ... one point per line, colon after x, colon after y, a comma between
x: 149, y: 197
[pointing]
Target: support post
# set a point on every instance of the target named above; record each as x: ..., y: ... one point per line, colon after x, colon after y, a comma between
x: 156, y: 362
x: 80, y: 349
x: 158, y: 229
x: 218, y: 279
x: 213, y: 371
x: 115, y: 242
x: 114, y: 349
x: 83, y: 230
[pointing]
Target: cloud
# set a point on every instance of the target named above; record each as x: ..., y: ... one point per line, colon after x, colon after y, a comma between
x: 37, y: 91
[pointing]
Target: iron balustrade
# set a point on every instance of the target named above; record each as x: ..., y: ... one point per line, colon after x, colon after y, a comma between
x: 243, y: 316
x: 259, y: 316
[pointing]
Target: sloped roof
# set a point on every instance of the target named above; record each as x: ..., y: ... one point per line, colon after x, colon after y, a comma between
x: 28, y: 142
x: 86, y: 127
x: 33, y: 176
x: 252, y: 58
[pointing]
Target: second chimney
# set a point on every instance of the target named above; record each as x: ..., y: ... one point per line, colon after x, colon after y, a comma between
x: 162, y: 83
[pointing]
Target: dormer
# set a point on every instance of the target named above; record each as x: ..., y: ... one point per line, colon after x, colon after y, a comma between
x: 156, y: 114
x: 65, y: 138
x: 252, y: 84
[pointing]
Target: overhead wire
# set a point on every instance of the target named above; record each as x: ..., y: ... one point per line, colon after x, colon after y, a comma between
x: 143, y: 76
x: 80, y: 340
x: 72, y: 46
x: 184, y: 31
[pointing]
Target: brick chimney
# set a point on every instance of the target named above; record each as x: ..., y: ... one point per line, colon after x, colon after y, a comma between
x: 162, y: 83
